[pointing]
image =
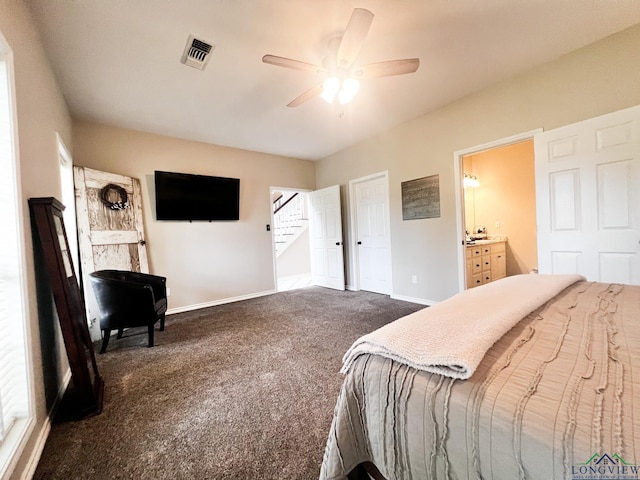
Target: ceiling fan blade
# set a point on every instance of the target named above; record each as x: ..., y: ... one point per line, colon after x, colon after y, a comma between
x: 308, y: 95
x: 354, y: 37
x: 387, y: 69
x: 290, y: 63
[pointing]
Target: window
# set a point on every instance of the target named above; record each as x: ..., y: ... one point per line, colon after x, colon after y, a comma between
x: 15, y: 393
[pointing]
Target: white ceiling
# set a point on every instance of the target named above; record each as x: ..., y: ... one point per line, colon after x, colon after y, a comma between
x: 118, y: 61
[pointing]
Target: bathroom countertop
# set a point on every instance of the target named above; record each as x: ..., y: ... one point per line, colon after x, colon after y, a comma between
x: 488, y: 241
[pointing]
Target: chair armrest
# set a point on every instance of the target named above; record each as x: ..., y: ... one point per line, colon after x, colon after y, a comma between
x: 157, y: 283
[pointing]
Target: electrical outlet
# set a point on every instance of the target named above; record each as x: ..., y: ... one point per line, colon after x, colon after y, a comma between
x: 414, y: 279
x: 497, y: 223
x: 168, y: 291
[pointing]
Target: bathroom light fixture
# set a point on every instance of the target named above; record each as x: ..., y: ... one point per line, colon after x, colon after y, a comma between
x: 471, y: 181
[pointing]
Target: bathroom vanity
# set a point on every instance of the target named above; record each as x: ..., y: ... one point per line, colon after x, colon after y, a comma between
x: 486, y: 261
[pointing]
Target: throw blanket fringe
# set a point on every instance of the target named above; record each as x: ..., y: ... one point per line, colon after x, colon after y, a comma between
x: 452, y: 337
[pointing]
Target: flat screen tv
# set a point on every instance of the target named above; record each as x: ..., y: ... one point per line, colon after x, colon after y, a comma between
x: 183, y: 196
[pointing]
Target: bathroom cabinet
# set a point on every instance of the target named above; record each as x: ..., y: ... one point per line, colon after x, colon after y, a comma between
x: 485, y: 262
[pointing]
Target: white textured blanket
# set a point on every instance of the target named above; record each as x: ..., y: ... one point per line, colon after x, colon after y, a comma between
x: 452, y: 337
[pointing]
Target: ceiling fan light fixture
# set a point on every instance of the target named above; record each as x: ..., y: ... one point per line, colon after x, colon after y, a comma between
x: 351, y: 86
x: 344, y: 97
x: 343, y: 82
x: 330, y: 89
x: 344, y: 89
x: 349, y: 89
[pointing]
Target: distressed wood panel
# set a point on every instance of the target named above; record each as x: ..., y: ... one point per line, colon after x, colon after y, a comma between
x: 98, y: 179
x: 102, y: 217
x: 136, y: 206
x: 134, y: 258
x: 110, y: 237
x: 115, y: 257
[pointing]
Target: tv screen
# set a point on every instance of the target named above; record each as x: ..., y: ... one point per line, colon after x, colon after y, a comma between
x: 183, y: 196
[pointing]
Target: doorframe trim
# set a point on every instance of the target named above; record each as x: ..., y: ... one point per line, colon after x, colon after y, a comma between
x: 354, y: 260
x: 459, y: 191
x: 69, y: 214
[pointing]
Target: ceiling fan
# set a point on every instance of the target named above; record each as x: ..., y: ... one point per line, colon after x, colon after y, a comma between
x: 343, y: 80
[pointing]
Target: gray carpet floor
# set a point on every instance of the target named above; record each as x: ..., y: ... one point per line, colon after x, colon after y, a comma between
x: 238, y: 391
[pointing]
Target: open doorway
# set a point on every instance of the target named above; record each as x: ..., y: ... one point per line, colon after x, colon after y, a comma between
x: 291, y: 243
x: 497, y: 210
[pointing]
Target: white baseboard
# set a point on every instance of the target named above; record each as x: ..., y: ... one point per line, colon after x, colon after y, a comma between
x: 404, y: 298
x: 188, y: 308
x: 38, y: 447
x: 222, y: 301
x: 420, y: 301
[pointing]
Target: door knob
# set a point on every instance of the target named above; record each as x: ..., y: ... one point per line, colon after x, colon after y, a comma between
x: 338, y: 243
x: 142, y: 242
x: 359, y: 243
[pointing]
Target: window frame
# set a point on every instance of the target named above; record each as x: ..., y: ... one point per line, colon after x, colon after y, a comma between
x: 17, y: 436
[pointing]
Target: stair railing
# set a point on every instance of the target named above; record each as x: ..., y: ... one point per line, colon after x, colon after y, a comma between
x: 287, y: 217
x: 278, y: 205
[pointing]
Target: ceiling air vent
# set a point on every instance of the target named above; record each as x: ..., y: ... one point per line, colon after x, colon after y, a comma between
x: 196, y: 53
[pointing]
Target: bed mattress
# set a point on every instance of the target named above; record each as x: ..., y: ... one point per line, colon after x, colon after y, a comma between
x: 558, y: 396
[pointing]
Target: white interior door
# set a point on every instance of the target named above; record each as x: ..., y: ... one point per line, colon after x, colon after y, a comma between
x: 373, y: 239
x: 588, y: 194
x: 109, y: 239
x: 325, y: 231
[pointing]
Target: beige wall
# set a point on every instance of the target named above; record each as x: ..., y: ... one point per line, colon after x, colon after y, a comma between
x: 203, y: 262
x: 296, y: 260
x: 505, y: 201
x: 595, y: 80
x: 41, y: 112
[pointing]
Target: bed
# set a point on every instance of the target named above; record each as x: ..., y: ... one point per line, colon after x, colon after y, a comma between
x: 554, y: 394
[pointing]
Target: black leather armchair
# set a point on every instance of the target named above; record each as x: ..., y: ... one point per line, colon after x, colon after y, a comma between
x: 129, y: 299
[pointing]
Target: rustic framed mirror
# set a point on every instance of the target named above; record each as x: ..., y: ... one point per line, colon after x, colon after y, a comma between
x: 88, y: 385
